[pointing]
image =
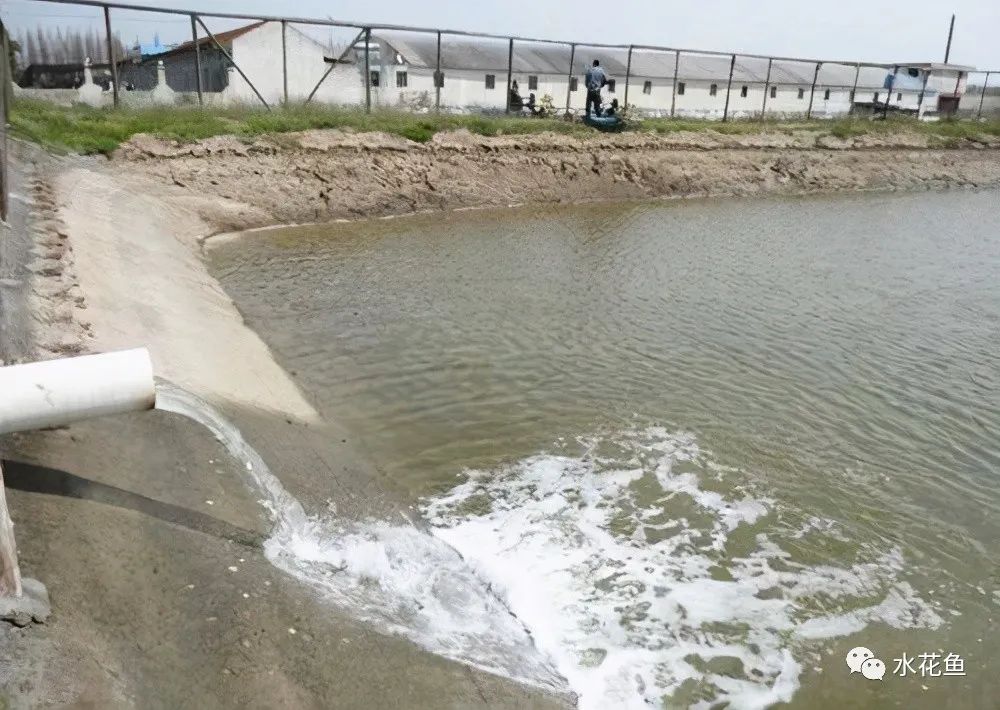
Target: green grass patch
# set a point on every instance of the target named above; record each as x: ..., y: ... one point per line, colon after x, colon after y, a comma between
x: 82, y: 129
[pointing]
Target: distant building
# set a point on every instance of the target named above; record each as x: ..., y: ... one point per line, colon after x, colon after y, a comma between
x: 256, y: 48
x: 62, y: 76
x: 401, y: 69
x: 474, y: 76
x: 942, y: 86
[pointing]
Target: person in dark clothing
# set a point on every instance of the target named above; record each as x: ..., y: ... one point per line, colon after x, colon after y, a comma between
x: 595, y: 81
x: 515, y: 101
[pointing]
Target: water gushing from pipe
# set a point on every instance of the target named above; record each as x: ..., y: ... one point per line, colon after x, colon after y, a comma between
x: 399, y: 579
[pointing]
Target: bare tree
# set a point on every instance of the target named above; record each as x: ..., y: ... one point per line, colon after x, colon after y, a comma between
x: 94, y: 46
x: 78, y: 49
x: 27, y: 48
x: 44, y: 56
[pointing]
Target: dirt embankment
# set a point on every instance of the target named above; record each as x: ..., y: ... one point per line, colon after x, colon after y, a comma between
x: 323, y: 175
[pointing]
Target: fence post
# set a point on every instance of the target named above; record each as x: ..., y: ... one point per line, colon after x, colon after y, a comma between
x: 982, y: 96
x: 5, y: 80
x: 888, y: 98
x: 812, y: 91
x: 729, y: 86
x: 197, y: 59
x: 923, y: 88
x: 767, y: 87
x: 111, y: 54
x: 510, y: 73
x: 673, y: 93
x: 854, y: 89
x: 569, y: 76
x: 628, y: 74
x: 232, y: 62
x: 438, y: 79
x: 958, y: 82
x: 368, y: 71
x: 284, y: 60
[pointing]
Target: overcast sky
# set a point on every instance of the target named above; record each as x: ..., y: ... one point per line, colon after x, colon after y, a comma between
x: 866, y: 30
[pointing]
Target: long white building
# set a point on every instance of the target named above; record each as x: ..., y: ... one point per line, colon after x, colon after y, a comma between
x: 401, y: 68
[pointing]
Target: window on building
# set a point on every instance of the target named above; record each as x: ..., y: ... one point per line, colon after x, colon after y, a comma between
x: 774, y: 92
x: 491, y: 81
x: 875, y: 99
x: 899, y: 96
x: 574, y: 83
x: 743, y: 92
x: 826, y: 95
x: 713, y: 89
x: 802, y: 93
x: 611, y: 86
x: 647, y: 87
x: 374, y: 77
x: 532, y: 83
x: 680, y: 88
x: 401, y: 80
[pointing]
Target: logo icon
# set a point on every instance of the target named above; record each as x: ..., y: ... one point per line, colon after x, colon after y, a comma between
x: 857, y: 656
x: 862, y: 660
x: 873, y: 669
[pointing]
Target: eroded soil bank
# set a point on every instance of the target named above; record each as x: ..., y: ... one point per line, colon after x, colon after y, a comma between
x: 323, y: 175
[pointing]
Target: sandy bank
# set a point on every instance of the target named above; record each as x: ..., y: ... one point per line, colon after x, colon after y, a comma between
x: 323, y: 175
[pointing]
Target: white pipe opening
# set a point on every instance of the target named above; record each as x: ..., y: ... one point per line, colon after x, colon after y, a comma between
x: 57, y: 392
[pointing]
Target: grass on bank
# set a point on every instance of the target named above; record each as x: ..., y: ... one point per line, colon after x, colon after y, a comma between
x: 86, y: 130
x: 83, y: 129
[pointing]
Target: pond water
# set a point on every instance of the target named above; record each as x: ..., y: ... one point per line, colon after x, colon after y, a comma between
x: 701, y: 449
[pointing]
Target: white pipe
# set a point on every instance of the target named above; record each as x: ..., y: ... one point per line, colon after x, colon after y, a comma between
x: 57, y: 392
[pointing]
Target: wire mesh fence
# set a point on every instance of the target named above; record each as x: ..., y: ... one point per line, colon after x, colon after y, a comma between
x: 982, y: 96
x: 219, y: 58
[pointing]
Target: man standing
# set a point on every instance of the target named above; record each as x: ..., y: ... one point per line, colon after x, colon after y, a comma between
x: 595, y: 81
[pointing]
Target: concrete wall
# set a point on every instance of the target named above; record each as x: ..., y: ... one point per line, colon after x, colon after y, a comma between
x: 60, y: 97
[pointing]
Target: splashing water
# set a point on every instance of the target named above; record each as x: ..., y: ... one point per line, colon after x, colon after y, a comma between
x: 397, y: 578
x: 606, y: 570
x: 618, y: 566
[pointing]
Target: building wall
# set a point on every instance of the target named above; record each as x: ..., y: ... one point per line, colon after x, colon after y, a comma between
x: 258, y: 53
x: 944, y: 82
x: 463, y: 90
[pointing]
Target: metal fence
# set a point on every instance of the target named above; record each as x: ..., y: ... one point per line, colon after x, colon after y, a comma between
x: 425, y: 69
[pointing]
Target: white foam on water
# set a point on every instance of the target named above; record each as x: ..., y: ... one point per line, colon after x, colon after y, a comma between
x: 619, y: 567
x: 609, y: 572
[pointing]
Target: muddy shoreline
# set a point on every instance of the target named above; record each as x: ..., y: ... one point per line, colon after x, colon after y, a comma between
x: 317, y: 176
x: 109, y: 255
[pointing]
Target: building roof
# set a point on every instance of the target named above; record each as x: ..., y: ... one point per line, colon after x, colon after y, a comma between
x: 223, y: 38
x: 937, y: 66
x: 419, y: 50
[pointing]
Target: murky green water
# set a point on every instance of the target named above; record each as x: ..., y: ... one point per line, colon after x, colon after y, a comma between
x: 833, y: 360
